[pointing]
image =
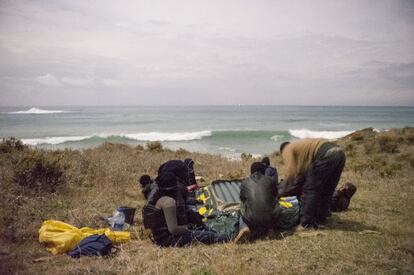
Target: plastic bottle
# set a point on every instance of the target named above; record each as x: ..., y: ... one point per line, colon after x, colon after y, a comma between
x: 117, y: 221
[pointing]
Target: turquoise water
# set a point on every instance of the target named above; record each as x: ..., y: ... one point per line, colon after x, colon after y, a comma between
x: 227, y: 130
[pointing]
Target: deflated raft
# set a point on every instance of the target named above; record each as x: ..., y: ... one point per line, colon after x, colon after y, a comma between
x: 222, y: 198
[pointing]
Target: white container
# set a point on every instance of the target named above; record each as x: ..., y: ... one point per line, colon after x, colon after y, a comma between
x: 118, y: 221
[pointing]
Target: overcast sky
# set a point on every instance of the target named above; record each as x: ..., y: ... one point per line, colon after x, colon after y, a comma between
x: 82, y: 52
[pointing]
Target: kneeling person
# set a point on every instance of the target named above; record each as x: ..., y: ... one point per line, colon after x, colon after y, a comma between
x: 259, y: 210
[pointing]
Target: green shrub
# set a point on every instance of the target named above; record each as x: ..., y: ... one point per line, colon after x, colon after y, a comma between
x: 391, y: 170
x: 357, y: 136
x: 11, y: 144
x: 410, y: 139
x: 39, y: 171
x: 139, y: 147
x: 246, y: 156
x: 368, y: 147
x: 387, y: 144
x: 154, y: 146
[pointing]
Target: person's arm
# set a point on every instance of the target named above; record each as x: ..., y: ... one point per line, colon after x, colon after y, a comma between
x: 291, y: 166
x: 243, y: 192
x: 169, y: 208
x: 295, y: 189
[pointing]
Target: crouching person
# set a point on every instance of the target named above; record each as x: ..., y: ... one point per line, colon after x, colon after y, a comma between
x: 165, y: 215
x: 259, y: 210
x: 313, y: 169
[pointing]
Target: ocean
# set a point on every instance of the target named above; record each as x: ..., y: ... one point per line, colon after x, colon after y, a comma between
x: 225, y: 130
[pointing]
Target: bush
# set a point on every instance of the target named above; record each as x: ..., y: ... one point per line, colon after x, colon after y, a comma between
x: 368, y: 147
x: 410, y: 139
x: 387, y: 144
x: 246, y: 156
x: 39, y: 172
x: 154, y: 146
x: 11, y: 144
x: 391, y: 170
x: 139, y: 147
x: 357, y: 136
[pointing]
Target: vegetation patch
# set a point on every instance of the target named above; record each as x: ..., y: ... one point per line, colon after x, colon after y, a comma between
x: 39, y: 172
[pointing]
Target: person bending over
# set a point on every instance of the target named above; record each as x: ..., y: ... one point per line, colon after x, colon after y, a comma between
x: 313, y: 169
x: 165, y: 215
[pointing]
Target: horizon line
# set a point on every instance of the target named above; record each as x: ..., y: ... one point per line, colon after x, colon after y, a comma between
x: 205, y: 105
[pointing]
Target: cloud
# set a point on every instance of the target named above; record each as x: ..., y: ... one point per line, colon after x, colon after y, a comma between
x: 123, y: 24
x: 77, y: 81
x: 207, y: 52
x: 112, y: 83
x: 48, y: 80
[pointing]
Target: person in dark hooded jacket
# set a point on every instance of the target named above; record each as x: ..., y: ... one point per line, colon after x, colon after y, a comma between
x: 166, y: 216
x: 258, y: 209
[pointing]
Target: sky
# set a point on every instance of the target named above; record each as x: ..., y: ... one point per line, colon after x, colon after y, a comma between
x: 224, y: 52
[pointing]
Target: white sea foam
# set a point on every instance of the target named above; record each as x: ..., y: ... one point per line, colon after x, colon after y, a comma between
x: 277, y: 137
x: 162, y: 136
x: 305, y: 133
x: 38, y: 111
x: 52, y: 140
x: 150, y: 136
x: 227, y: 149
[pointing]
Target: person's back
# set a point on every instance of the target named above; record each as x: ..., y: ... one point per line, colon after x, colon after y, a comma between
x: 298, y: 157
x: 258, y: 193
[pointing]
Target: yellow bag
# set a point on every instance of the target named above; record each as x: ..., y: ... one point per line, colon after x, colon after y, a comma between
x: 60, y: 237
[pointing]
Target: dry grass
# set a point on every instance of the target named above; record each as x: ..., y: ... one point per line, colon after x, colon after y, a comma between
x: 374, y: 236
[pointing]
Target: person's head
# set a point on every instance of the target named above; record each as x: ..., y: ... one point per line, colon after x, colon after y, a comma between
x: 167, y: 183
x: 257, y: 167
x: 266, y: 161
x: 144, y: 180
x: 283, y: 146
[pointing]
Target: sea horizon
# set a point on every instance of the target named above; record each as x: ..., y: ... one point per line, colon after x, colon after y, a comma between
x: 228, y: 130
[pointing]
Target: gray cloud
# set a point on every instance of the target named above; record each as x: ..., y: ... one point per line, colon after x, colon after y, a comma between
x: 207, y: 52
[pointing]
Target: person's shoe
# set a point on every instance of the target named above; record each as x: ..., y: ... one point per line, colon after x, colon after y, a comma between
x: 243, y: 236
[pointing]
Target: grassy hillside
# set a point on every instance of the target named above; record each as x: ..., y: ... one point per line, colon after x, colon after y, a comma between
x: 78, y: 187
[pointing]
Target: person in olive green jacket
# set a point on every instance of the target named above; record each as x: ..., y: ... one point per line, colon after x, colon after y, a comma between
x: 313, y: 168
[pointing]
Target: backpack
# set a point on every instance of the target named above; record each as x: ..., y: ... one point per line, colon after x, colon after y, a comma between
x: 178, y: 168
x: 94, y: 245
x: 342, y: 197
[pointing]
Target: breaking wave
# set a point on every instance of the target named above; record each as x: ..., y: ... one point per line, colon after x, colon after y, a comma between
x: 53, y: 140
x: 305, y: 133
x: 215, y: 137
x: 160, y: 136
x: 38, y: 111
x: 150, y: 136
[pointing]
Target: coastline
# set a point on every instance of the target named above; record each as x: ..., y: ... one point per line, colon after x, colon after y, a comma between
x: 375, y: 235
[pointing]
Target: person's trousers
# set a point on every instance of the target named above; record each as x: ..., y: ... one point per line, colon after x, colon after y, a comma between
x: 319, y: 187
x: 204, y: 236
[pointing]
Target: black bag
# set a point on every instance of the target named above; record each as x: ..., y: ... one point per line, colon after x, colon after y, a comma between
x: 342, y: 197
x: 94, y: 245
x: 178, y: 168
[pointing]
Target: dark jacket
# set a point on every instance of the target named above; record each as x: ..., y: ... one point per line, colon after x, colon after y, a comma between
x: 258, y: 196
x: 272, y: 172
